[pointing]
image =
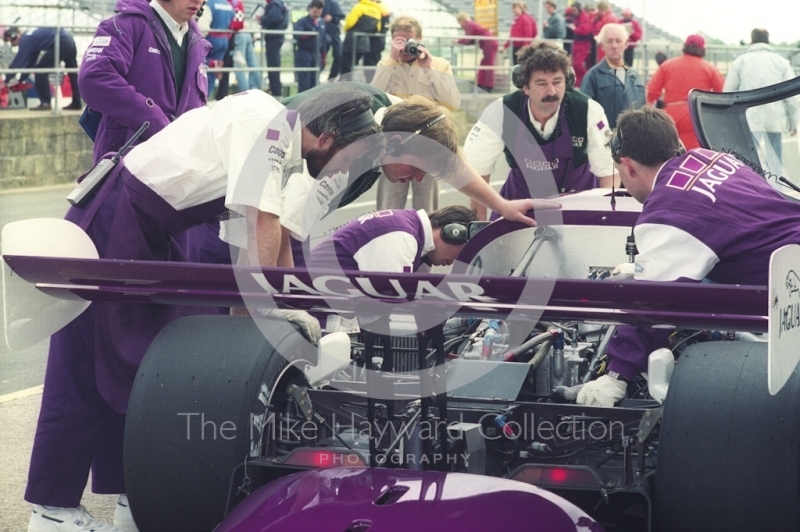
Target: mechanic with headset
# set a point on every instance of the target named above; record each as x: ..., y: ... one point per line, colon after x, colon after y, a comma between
x: 396, y: 240
x: 548, y: 131
x: 692, y: 227
x: 229, y: 161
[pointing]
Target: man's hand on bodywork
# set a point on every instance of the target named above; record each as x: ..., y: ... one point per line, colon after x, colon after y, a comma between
x: 516, y: 210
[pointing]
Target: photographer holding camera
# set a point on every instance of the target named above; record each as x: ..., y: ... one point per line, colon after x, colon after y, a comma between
x: 410, y: 70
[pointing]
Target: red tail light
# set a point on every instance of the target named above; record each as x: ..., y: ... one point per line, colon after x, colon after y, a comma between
x: 565, y: 477
x: 324, y: 458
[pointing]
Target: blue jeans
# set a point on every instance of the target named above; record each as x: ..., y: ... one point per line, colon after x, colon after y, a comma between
x: 244, y: 56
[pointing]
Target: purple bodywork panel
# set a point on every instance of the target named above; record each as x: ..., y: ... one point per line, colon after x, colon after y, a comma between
x: 395, y: 500
x: 689, y: 305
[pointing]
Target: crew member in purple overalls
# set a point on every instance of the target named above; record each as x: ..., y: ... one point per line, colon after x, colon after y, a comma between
x: 554, y: 137
x: 231, y: 159
x: 394, y: 240
x: 693, y: 227
x: 146, y: 63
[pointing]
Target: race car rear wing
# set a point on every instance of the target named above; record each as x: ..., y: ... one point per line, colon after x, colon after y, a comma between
x: 44, y: 293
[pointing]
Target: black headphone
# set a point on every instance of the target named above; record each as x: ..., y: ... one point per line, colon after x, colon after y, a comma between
x: 519, y: 81
x: 454, y: 233
x: 396, y: 146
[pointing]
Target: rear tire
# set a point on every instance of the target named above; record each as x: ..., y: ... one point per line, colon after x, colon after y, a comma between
x: 728, y: 452
x: 216, y: 370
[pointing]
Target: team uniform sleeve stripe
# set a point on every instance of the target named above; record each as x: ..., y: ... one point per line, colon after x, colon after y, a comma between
x: 600, y: 162
x: 373, y: 256
x: 667, y: 253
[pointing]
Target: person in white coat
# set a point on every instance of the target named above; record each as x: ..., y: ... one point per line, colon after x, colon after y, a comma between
x: 761, y: 66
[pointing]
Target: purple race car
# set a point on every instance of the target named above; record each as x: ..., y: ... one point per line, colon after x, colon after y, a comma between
x: 240, y: 425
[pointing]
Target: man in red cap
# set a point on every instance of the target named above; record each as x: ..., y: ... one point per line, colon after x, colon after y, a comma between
x: 676, y: 77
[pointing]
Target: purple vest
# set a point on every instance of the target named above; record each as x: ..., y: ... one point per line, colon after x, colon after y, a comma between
x: 127, y: 75
x: 339, y: 250
x: 541, y: 163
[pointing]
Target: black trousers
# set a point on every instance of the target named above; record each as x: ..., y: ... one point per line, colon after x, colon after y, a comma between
x: 69, y: 56
x: 273, y: 47
x: 335, y: 46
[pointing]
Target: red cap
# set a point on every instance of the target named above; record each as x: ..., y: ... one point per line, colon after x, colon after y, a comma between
x: 695, y: 40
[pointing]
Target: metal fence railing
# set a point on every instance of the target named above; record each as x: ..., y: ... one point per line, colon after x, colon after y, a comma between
x: 464, y: 59
x: 287, y: 60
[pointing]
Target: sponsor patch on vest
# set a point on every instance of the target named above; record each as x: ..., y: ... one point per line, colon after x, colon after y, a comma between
x: 204, y: 72
x: 103, y: 40
x: 154, y: 50
x: 94, y: 50
x: 577, y: 142
x: 541, y: 166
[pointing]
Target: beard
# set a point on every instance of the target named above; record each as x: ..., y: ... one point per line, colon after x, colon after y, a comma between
x: 317, y: 159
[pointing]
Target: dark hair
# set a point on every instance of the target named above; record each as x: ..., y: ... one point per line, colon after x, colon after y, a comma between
x: 454, y: 214
x: 334, y: 108
x: 690, y: 49
x: 11, y: 33
x: 759, y: 35
x: 540, y: 56
x: 319, y: 4
x: 647, y: 135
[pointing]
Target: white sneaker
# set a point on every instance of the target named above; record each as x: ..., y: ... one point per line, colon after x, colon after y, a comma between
x: 54, y: 519
x: 123, y: 518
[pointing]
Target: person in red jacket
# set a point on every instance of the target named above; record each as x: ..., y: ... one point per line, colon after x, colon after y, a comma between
x: 583, y: 34
x: 676, y: 77
x: 523, y: 30
x: 634, y: 34
x: 488, y: 46
x: 603, y: 16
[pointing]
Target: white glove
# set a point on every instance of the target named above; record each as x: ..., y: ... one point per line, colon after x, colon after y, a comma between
x: 604, y: 391
x: 308, y: 323
x: 623, y: 272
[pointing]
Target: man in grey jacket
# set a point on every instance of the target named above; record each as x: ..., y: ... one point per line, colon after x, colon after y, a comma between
x: 610, y: 82
x: 758, y: 67
x: 555, y: 27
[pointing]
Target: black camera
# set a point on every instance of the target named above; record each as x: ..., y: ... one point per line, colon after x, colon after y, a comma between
x: 412, y: 47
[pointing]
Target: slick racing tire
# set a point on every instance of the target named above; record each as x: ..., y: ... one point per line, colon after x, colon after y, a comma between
x: 728, y: 452
x: 197, y: 403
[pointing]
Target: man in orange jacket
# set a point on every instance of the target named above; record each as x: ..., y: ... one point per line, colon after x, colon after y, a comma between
x: 676, y: 77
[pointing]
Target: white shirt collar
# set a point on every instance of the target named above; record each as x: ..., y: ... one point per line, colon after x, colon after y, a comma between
x: 427, y: 230
x: 549, y: 126
x: 175, y: 29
